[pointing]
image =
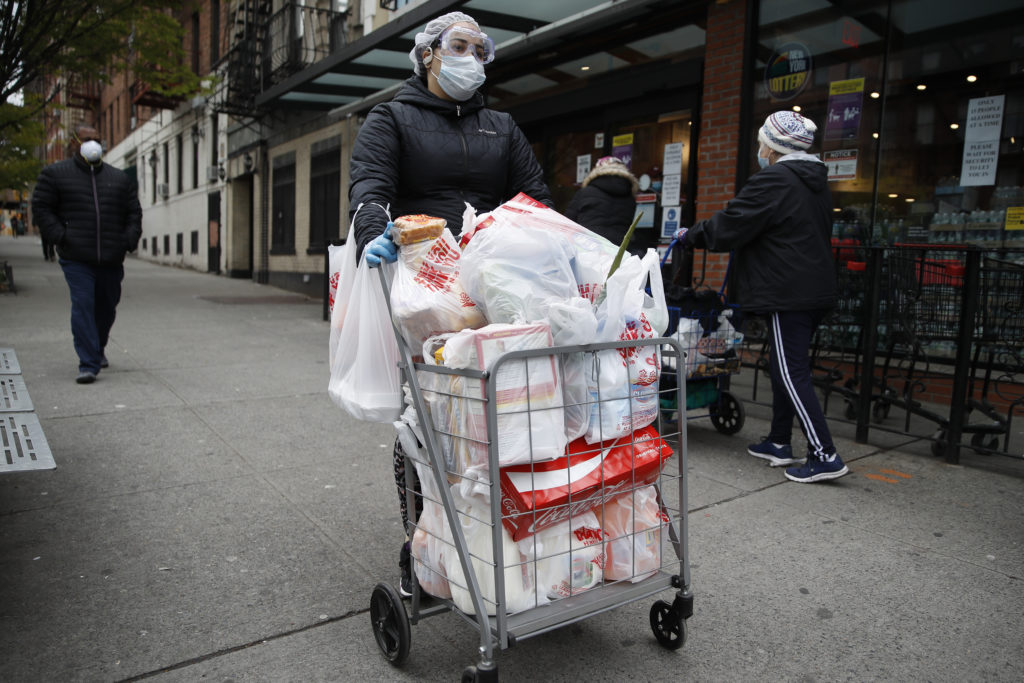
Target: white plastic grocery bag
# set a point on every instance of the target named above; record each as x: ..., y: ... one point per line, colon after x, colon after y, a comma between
x: 474, y: 516
x: 427, y: 298
x: 342, y: 265
x: 569, y: 556
x: 636, y: 530
x: 624, y: 382
x: 365, y: 380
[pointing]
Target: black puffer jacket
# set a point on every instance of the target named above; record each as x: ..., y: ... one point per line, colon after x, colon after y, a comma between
x: 779, y: 227
x: 606, y: 203
x: 421, y: 154
x: 91, y: 213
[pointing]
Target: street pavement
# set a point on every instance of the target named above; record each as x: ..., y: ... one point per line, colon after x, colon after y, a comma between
x: 214, y: 516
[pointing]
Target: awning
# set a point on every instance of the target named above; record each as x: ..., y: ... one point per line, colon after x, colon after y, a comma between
x: 538, y: 37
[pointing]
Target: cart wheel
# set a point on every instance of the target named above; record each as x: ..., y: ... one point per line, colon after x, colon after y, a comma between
x: 390, y: 623
x: 939, y: 443
x: 880, y: 411
x: 985, y: 444
x: 474, y: 675
x: 851, y: 410
x: 668, y: 625
x: 727, y: 413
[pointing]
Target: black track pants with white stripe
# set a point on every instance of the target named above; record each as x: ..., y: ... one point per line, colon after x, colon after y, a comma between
x: 793, y: 392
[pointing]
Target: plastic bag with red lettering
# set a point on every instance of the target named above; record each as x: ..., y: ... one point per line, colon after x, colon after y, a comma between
x: 623, y: 382
x: 426, y: 297
x: 569, y: 556
x: 636, y: 531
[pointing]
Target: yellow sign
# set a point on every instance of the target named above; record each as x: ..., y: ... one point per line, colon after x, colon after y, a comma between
x: 845, y: 87
x: 1014, y: 218
x: 620, y: 140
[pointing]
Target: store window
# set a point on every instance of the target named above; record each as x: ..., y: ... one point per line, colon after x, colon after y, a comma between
x: 920, y: 111
x: 282, y: 234
x: 324, y: 194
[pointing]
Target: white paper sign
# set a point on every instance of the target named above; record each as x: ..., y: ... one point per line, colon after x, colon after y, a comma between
x: 981, y: 140
x: 598, y: 140
x: 673, y: 160
x: 670, y: 216
x: 670, y: 188
x: 582, y: 167
x: 646, y: 209
x: 841, y: 164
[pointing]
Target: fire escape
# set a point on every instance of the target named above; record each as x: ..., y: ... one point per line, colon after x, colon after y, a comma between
x: 268, y: 47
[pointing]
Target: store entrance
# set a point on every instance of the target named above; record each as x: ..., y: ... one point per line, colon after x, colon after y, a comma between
x: 659, y: 148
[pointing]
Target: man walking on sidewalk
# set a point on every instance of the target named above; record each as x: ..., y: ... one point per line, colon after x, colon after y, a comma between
x: 90, y: 211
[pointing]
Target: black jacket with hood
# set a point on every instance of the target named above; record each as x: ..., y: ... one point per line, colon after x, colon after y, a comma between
x: 606, y: 203
x: 779, y: 227
x: 91, y: 212
x: 421, y: 154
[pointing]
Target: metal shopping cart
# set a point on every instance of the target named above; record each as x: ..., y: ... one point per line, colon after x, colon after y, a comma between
x: 702, y: 322
x: 488, y: 545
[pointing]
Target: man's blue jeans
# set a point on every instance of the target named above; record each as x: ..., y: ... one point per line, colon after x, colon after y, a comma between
x: 95, y: 293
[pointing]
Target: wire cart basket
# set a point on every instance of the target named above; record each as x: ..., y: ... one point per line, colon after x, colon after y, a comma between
x: 519, y: 531
x: 702, y: 323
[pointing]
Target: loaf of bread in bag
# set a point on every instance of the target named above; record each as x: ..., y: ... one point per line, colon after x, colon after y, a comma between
x: 416, y: 228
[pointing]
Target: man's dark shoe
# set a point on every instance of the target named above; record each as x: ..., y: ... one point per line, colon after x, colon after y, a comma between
x: 818, y: 470
x: 86, y: 377
x: 104, y: 363
x: 405, y: 565
x: 776, y: 455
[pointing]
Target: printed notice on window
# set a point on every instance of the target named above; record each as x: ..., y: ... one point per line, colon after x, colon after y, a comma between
x: 582, y: 167
x: 841, y: 164
x: 981, y: 141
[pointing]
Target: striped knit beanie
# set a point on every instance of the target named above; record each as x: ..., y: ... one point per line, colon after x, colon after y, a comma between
x: 787, y: 132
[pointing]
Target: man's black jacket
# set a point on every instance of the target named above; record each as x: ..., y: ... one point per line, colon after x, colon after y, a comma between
x: 91, y: 213
x: 421, y: 154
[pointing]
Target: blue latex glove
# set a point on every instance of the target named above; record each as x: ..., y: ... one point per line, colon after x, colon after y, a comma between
x: 382, y: 248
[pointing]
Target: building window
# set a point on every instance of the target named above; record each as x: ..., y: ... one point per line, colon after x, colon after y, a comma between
x: 214, y: 32
x: 195, y: 43
x: 283, y: 197
x: 897, y: 139
x: 167, y: 164
x: 194, y: 242
x: 324, y: 198
x: 167, y: 244
x: 214, y: 152
x: 180, y: 158
x: 195, y: 157
x: 154, y: 247
x: 179, y: 243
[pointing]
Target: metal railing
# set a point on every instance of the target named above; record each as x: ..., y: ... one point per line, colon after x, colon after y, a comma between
x: 925, y: 342
x: 298, y: 36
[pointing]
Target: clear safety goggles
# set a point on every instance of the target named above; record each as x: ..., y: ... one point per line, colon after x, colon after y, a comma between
x: 459, y: 41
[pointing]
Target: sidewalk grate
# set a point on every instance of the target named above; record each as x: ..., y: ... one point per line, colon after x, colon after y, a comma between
x: 22, y: 444
x: 14, y: 394
x: 9, y: 362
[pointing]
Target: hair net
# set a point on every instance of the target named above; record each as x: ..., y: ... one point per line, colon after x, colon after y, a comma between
x: 433, y: 29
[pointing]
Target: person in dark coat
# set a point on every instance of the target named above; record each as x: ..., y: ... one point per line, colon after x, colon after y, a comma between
x: 435, y: 146
x: 90, y: 211
x: 606, y: 202
x: 779, y: 228
x: 430, y: 150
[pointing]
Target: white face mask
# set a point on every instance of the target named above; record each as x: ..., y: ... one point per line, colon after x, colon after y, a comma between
x: 92, y: 151
x: 460, y: 77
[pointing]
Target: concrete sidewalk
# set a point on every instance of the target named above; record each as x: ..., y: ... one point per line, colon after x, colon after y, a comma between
x: 213, y: 516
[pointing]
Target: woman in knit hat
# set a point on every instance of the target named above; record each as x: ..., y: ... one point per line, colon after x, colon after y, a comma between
x: 606, y: 203
x: 779, y: 229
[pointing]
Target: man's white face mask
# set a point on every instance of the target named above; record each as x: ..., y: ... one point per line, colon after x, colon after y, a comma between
x: 92, y: 151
